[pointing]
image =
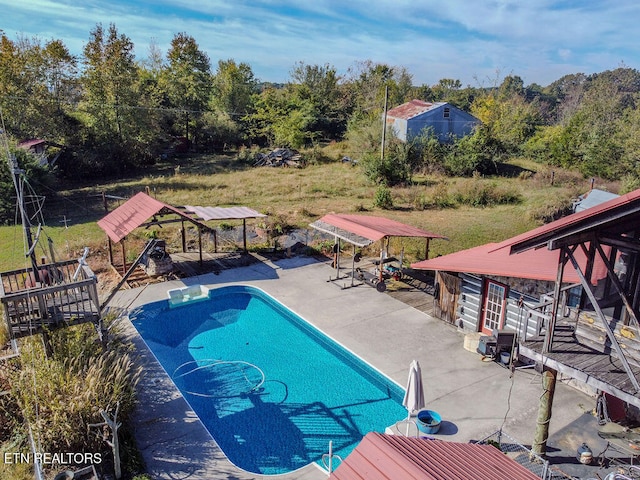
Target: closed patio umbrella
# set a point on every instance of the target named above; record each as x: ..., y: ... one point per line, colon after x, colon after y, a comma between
x: 414, y: 396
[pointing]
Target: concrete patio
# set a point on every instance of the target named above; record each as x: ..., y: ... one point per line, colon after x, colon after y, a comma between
x: 475, y: 398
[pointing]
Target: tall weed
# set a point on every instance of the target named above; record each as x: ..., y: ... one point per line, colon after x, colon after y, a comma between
x: 61, y: 395
x: 478, y: 193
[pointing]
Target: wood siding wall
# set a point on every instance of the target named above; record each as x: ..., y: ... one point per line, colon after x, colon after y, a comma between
x: 469, y: 304
x: 445, y: 302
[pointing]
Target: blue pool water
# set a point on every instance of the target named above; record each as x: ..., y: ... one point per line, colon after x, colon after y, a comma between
x: 271, y: 389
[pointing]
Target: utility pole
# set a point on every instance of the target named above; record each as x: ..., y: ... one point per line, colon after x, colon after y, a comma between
x: 384, y: 121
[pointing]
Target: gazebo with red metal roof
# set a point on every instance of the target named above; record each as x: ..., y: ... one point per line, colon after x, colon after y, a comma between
x: 364, y: 230
x: 136, y: 212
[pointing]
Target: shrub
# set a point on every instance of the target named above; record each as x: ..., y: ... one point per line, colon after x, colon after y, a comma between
x: 628, y: 183
x: 473, y: 153
x: 481, y: 194
x: 555, y: 208
x: 383, y: 198
x: 441, y: 197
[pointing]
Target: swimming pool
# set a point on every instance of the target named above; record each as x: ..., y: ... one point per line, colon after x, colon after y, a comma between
x: 270, y: 388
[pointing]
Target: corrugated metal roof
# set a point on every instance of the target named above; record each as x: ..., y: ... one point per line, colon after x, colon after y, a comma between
x: 372, y: 228
x: 412, y: 109
x: 592, y: 198
x: 356, y: 240
x: 223, y: 213
x: 393, y: 457
x: 495, y: 259
x: 133, y: 213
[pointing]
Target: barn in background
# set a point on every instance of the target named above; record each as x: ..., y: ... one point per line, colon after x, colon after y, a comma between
x: 447, y: 122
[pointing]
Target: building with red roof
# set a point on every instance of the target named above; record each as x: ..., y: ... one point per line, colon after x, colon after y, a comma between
x: 445, y: 120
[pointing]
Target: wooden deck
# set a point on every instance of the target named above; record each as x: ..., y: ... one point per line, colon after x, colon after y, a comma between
x: 599, y: 370
x: 68, y: 297
x: 188, y: 264
x: 415, y: 289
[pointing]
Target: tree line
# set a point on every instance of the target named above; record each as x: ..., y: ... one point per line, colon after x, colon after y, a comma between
x: 114, y: 113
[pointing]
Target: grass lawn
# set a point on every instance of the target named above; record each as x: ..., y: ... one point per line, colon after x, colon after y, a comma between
x: 297, y: 197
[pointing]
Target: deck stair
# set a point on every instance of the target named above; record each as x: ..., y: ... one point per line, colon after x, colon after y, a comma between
x: 590, y: 331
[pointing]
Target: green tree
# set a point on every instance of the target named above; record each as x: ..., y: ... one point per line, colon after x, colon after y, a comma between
x: 368, y: 82
x: 628, y: 137
x: 450, y: 90
x: 109, y: 80
x: 36, y: 83
x: 234, y: 90
x: 234, y: 86
x: 32, y: 171
x: 473, y: 153
x: 60, y: 73
x: 317, y: 86
x: 508, y: 120
x: 188, y: 83
x: 110, y: 86
x: 282, y: 119
x: 155, y: 120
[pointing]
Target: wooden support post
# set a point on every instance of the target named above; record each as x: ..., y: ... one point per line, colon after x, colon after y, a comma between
x: 200, y: 244
x: 544, y: 412
x: 426, y: 251
x: 124, y: 257
x: 551, y: 326
x: 110, y: 251
x: 184, y: 239
x: 244, y: 234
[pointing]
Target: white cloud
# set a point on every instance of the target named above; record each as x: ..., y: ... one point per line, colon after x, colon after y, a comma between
x: 539, y: 41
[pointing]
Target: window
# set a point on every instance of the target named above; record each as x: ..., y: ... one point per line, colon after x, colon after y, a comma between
x: 447, y: 112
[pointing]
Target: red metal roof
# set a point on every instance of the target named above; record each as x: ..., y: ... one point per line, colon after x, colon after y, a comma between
x: 412, y: 109
x: 394, y: 457
x: 607, y: 213
x: 374, y: 228
x: 133, y: 213
x: 495, y: 259
x: 27, y: 144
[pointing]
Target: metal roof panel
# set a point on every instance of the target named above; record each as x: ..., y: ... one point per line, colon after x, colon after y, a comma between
x: 391, y: 457
x: 412, y: 109
x: 374, y: 228
x: 223, y: 213
x: 135, y: 212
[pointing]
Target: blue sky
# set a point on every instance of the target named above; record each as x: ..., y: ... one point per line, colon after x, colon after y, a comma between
x: 475, y: 41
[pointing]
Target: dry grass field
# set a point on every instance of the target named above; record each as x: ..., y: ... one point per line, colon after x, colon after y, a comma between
x: 459, y: 208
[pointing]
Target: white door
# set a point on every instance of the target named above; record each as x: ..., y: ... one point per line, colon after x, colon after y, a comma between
x: 493, y: 311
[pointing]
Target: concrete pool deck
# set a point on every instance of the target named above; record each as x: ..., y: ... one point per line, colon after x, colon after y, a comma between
x: 474, y: 398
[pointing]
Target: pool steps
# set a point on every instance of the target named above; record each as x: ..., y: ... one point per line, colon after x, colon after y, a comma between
x: 186, y: 295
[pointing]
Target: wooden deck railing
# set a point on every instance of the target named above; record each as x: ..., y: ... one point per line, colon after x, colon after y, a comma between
x: 57, y: 301
x: 48, y: 274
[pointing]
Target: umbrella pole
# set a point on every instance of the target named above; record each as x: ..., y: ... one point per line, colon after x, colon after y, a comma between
x: 408, y: 423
